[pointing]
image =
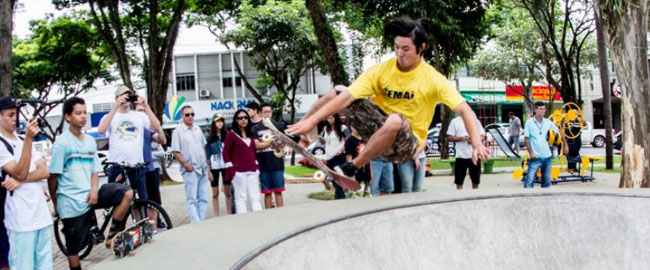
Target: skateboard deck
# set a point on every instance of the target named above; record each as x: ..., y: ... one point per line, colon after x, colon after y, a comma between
x: 126, y: 241
x: 338, y: 178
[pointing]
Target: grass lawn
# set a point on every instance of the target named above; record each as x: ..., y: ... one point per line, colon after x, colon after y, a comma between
x: 299, y: 171
x: 617, y: 169
x: 438, y: 164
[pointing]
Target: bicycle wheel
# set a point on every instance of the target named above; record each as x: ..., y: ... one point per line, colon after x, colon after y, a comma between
x: 60, y: 241
x: 154, y: 211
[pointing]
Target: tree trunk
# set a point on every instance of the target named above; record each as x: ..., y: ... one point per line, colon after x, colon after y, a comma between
x: 445, y: 117
x: 626, y: 24
x: 327, y: 43
x: 604, y: 85
x: 6, y: 26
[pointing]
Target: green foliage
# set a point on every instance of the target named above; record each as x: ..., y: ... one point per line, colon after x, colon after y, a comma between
x: 513, y: 55
x: 280, y: 41
x: 64, y: 53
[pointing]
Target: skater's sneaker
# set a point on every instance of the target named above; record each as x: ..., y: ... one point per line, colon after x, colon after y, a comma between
x: 347, y: 169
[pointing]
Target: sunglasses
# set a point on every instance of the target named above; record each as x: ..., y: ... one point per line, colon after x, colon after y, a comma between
x: 242, y: 117
x: 189, y: 114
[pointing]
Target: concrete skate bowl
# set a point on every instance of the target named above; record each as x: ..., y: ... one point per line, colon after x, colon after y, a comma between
x: 521, y: 231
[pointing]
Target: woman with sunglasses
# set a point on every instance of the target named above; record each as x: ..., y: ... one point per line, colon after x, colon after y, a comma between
x: 213, y: 149
x: 241, y: 163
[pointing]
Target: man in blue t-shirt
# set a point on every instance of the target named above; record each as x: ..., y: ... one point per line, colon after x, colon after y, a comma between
x: 74, y: 179
x: 539, y: 151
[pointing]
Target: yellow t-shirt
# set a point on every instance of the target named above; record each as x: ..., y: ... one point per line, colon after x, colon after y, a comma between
x: 413, y: 94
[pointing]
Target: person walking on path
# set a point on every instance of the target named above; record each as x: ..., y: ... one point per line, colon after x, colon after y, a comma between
x: 513, y: 131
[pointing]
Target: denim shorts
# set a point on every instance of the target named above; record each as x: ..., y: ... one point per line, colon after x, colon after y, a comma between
x: 272, y: 181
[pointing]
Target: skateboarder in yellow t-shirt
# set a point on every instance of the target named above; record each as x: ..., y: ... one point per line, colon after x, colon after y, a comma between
x: 404, y: 91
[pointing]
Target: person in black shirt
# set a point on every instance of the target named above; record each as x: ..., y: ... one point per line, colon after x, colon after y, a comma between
x: 271, y: 167
x: 353, y: 146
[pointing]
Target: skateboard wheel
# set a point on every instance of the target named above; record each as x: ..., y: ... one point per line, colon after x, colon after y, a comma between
x: 266, y: 137
x: 319, y: 176
x: 151, y: 222
x: 131, y: 233
x: 279, y: 152
x: 131, y: 253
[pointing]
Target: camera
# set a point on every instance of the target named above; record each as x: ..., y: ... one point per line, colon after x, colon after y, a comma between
x: 132, y: 98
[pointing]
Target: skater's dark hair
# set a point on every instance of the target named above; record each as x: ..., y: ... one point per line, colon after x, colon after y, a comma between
x: 539, y: 104
x: 235, y: 126
x: 417, y: 30
x: 337, y: 127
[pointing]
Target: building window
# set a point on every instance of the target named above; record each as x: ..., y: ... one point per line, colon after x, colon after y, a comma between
x: 185, y: 82
x: 102, y: 107
x: 227, y: 81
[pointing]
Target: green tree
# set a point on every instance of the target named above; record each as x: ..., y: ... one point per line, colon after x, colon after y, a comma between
x: 510, y: 58
x: 327, y: 43
x: 564, y: 26
x: 626, y: 28
x: 62, y: 55
x: 281, y: 44
x: 149, y: 26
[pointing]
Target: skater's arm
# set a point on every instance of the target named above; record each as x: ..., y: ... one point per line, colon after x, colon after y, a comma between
x: 333, y: 106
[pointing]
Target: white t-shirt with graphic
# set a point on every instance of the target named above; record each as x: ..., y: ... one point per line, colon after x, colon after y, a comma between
x: 126, y: 137
x: 457, y: 129
x: 26, y: 208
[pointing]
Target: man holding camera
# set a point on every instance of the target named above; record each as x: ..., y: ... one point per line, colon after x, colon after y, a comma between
x: 125, y: 128
x: 26, y: 214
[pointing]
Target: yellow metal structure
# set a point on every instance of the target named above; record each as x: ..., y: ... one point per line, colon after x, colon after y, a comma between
x: 566, y: 118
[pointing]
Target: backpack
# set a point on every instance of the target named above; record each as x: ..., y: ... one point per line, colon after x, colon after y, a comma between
x: 3, y: 176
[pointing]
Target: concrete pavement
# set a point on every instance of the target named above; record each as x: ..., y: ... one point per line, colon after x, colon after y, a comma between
x: 218, y: 243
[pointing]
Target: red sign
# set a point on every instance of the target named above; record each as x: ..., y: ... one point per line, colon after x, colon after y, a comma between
x: 540, y: 93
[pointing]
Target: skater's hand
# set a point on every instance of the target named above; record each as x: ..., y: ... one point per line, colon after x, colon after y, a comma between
x: 301, y: 127
x: 11, y: 184
x: 533, y: 157
x: 92, y: 197
x: 566, y: 151
x: 480, y: 151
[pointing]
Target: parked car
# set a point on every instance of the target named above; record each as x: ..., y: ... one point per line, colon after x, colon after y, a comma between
x: 595, y: 137
x: 432, y: 149
x: 618, y: 144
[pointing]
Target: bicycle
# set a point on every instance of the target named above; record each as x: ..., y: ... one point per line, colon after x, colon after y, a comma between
x: 138, y: 209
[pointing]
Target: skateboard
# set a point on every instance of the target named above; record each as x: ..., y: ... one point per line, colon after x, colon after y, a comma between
x: 125, y: 242
x: 324, y: 173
